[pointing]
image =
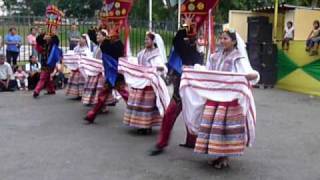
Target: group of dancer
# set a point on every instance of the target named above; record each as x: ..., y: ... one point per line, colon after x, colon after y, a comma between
x: 215, y: 99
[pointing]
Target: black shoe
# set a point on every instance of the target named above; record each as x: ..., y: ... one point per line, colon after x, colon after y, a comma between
x: 155, y: 151
x: 35, y: 95
x: 144, y: 131
x: 50, y: 93
x: 185, y: 145
x: 88, y: 120
x: 77, y: 98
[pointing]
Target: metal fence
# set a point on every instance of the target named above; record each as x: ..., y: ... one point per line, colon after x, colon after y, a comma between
x: 23, y: 24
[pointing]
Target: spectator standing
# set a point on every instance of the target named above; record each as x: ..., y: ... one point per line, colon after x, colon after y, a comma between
x: 13, y: 42
x: 7, y: 82
x: 74, y: 36
x: 21, y: 78
x: 39, y: 30
x: 33, y: 68
x: 31, y: 38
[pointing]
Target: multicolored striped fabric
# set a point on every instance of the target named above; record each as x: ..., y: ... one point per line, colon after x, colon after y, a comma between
x: 92, y: 69
x: 90, y: 66
x: 75, y: 84
x: 72, y: 61
x: 199, y: 86
x: 93, y: 87
x: 142, y: 111
x: 140, y: 77
x: 222, y: 130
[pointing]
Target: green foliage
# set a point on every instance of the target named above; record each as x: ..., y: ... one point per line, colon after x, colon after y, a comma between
x: 141, y: 10
x: 79, y: 8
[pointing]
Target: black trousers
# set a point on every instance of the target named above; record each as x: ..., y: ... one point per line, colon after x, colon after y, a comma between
x: 12, y: 57
x: 12, y: 85
x: 33, y: 80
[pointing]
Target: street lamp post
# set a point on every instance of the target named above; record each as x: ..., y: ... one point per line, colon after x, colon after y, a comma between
x: 179, y: 13
x: 275, y: 23
x: 150, y: 15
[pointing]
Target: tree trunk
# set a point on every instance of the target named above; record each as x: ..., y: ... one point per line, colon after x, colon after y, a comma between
x: 314, y: 3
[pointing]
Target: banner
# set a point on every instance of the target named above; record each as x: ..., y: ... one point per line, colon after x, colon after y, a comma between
x: 195, y: 12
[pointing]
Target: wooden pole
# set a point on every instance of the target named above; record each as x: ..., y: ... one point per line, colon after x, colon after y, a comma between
x: 275, y: 23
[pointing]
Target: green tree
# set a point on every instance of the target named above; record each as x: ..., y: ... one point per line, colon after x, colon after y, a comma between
x: 160, y: 12
x: 79, y: 8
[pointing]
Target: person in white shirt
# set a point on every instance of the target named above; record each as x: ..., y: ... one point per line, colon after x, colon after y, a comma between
x: 7, y: 82
x: 76, y: 80
x: 33, y: 68
x: 289, y: 35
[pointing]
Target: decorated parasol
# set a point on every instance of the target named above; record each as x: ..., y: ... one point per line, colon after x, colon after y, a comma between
x: 114, y: 18
x: 53, y: 18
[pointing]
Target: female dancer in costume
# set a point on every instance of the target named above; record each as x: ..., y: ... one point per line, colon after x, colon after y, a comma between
x: 76, y: 80
x: 223, y: 130
x: 142, y: 111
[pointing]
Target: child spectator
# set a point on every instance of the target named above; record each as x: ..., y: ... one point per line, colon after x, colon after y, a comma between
x: 289, y: 35
x: 313, y: 38
x: 21, y: 78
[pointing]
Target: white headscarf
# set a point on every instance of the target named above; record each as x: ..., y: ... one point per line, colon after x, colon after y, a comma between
x: 241, y: 45
x: 87, y: 40
x: 160, y: 44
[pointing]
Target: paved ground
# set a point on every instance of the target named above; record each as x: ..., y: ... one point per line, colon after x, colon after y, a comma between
x: 45, y: 139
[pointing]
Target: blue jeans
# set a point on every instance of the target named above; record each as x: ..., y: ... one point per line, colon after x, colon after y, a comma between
x: 12, y: 85
x: 313, y: 41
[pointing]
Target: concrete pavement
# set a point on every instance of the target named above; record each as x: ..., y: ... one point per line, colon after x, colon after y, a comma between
x: 46, y: 139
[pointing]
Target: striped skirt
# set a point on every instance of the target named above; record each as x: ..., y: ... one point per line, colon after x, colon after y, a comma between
x: 142, y: 111
x: 92, y: 88
x: 222, y: 130
x: 75, y: 84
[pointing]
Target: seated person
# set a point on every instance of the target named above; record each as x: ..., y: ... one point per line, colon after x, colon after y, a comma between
x: 66, y: 73
x: 58, y: 76
x: 7, y: 82
x: 289, y: 35
x: 313, y: 39
x: 33, y: 69
x: 21, y: 78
